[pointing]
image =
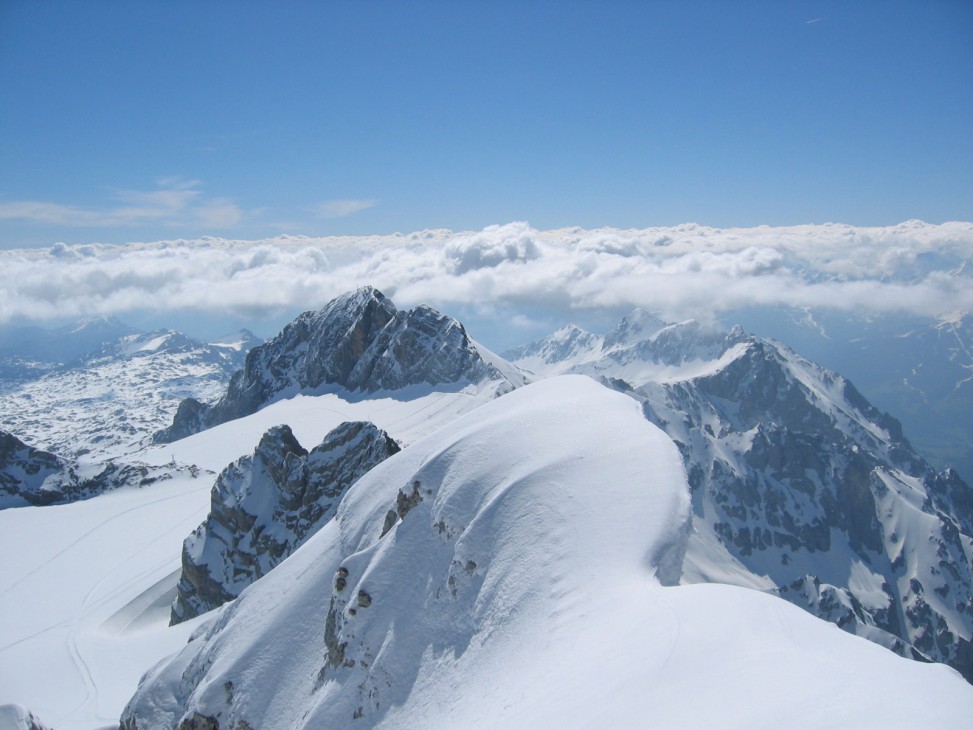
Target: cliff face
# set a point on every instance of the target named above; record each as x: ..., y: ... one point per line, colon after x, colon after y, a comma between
x: 266, y: 505
x: 359, y: 342
x: 806, y: 490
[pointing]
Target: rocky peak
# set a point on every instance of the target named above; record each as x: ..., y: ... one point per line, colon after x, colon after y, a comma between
x: 266, y: 505
x: 810, y: 492
x: 358, y: 342
x: 31, y: 476
x: 635, y: 327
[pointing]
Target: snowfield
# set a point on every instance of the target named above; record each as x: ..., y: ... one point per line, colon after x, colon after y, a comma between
x: 84, y: 598
x: 510, y: 570
x: 86, y: 588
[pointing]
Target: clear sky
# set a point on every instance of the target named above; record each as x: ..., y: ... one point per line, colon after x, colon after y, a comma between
x: 140, y: 121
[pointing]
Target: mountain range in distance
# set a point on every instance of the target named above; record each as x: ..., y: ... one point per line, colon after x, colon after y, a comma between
x: 656, y: 490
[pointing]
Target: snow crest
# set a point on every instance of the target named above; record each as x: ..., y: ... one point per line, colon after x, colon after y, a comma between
x: 441, y: 561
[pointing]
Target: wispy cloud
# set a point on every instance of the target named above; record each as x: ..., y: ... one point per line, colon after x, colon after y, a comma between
x: 175, y: 201
x: 340, y: 208
x: 678, y: 272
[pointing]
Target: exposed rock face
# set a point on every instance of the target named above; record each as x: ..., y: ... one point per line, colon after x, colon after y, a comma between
x: 30, y: 476
x: 801, y: 483
x: 266, y: 505
x: 359, y: 342
x: 800, y: 486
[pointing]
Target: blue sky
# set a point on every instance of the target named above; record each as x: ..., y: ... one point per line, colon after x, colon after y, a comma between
x: 141, y: 121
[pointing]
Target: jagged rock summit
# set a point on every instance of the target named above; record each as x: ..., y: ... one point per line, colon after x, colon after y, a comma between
x: 358, y: 342
x: 31, y: 476
x: 266, y: 505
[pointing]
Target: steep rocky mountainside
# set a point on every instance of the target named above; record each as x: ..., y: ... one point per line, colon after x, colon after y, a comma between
x: 358, y: 342
x: 918, y: 368
x: 29, y: 476
x: 264, y: 506
x: 800, y: 487
x: 108, y: 400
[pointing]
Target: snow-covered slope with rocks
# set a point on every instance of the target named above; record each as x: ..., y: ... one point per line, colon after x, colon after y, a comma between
x: 802, y: 488
x: 357, y: 343
x: 523, y: 586
x: 112, y: 399
x: 264, y: 506
x: 796, y: 487
x: 86, y: 593
x: 30, y: 476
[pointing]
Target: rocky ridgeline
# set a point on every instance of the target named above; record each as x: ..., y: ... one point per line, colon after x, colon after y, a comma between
x: 30, y: 476
x: 800, y: 486
x: 807, y: 486
x: 266, y: 505
x: 358, y: 342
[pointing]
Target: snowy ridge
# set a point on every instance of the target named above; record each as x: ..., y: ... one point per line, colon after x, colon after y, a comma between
x: 641, y: 349
x: 800, y: 486
x: 506, y: 572
x: 93, y: 584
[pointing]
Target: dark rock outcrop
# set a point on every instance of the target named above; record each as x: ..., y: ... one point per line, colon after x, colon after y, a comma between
x: 358, y: 342
x: 806, y: 485
x: 266, y: 505
x: 31, y: 476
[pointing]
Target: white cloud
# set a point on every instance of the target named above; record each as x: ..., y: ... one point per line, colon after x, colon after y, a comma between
x: 679, y: 272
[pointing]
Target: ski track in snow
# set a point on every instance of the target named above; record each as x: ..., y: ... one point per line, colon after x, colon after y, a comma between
x: 96, y: 610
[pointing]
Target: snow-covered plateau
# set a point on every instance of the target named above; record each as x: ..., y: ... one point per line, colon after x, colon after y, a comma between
x: 590, y: 531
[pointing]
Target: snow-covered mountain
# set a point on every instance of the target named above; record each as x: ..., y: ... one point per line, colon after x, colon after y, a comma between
x: 107, y: 401
x: 640, y: 349
x: 359, y: 342
x: 523, y: 587
x: 917, y: 368
x: 800, y: 487
x: 508, y: 565
x: 265, y: 506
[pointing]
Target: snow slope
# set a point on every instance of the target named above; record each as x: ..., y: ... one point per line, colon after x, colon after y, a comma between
x: 508, y: 571
x: 85, y: 591
x: 406, y: 415
x: 66, y: 571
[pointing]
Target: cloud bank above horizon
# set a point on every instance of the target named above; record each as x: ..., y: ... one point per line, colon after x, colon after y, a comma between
x: 677, y: 272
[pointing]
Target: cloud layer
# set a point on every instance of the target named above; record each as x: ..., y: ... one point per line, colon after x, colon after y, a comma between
x: 678, y: 272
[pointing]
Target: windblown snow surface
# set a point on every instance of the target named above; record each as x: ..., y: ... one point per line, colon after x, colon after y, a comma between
x: 516, y: 569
